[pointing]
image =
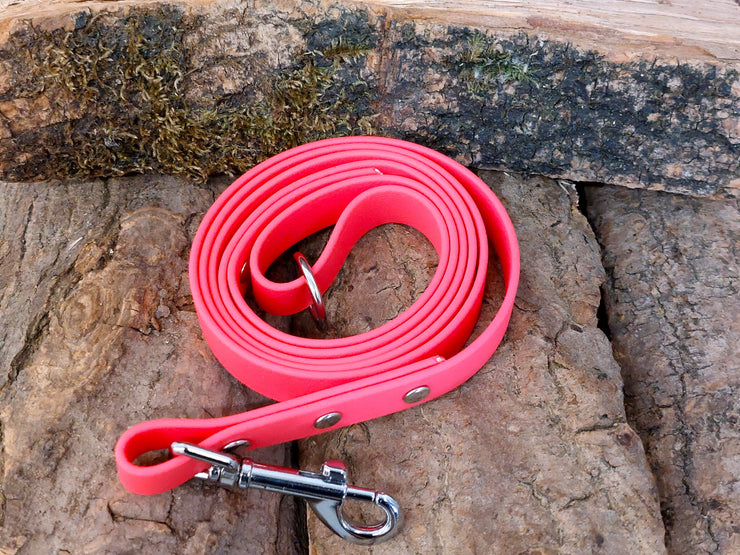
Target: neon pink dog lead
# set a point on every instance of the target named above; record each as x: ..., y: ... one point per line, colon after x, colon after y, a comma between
x: 356, y: 184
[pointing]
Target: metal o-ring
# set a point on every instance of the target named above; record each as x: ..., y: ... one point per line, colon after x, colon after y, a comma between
x: 317, y: 309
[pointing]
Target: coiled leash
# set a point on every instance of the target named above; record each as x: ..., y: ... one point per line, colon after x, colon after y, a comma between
x: 355, y: 184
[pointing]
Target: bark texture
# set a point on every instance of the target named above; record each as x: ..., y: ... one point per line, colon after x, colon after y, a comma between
x: 533, y: 454
x: 201, y: 88
x: 674, y: 313
x: 98, y: 334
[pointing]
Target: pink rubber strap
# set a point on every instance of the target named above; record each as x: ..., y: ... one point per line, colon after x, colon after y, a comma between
x: 355, y: 183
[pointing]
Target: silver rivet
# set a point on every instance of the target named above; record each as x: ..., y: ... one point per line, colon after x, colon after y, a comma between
x: 417, y: 394
x: 235, y: 445
x: 328, y: 420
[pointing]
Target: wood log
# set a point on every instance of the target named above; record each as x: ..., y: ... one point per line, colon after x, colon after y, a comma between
x: 672, y: 300
x: 621, y: 30
x: 99, y: 333
x: 642, y: 94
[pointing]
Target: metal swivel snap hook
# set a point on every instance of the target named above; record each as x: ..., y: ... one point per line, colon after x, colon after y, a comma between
x: 325, y: 492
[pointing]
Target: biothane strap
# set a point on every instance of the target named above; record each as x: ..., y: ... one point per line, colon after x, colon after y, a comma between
x: 355, y: 184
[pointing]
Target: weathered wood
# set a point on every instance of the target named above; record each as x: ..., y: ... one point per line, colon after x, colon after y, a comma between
x: 98, y: 333
x: 533, y: 453
x: 95, y: 89
x: 688, y: 30
x: 673, y: 299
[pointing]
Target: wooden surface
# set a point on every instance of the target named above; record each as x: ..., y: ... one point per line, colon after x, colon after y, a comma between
x: 622, y: 29
x: 532, y: 103
x: 703, y: 30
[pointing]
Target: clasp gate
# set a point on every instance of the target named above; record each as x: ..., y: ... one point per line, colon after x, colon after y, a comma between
x: 325, y: 492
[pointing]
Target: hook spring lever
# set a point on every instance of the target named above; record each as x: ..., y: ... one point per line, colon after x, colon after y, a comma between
x: 325, y: 492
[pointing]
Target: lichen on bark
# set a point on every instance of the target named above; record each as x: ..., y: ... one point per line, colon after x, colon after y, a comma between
x: 217, y: 88
x: 530, y: 105
x: 123, y: 77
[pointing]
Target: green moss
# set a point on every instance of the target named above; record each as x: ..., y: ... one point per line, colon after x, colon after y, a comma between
x: 124, y: 96
x: 484, y: 63
x: 126, y: 79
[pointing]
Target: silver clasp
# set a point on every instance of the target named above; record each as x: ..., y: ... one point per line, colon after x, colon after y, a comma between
x: 325, y: 492
x: 316, y: 308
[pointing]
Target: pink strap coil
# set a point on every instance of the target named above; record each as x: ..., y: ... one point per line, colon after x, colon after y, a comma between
x: 356, y: 184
